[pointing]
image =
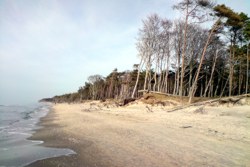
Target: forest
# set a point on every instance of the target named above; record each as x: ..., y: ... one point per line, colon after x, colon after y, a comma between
x: 181, y: 57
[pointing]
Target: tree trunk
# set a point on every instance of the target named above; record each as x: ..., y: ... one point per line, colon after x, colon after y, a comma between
x: 231, y: 72
x: 166, y: 77
x: 160, y: 77
x: 222, y: 92
x: 177, y: 76
x: 212, y: 73
x: 155, y: 76
x: 217, y: 87
x: 137, y: 78
x: 183, y: 54
x: 240, y: 79
x: 247, y: 69
x: 190, y: 75
x: 210, y: 94
x: 146, y: 76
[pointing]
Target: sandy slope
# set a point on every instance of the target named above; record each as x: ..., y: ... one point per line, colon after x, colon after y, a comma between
x: 133, y: 136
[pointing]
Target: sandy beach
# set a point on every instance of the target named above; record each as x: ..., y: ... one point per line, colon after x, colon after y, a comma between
x: 139, y: 135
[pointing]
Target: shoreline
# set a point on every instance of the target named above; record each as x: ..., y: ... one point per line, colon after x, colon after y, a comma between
x: 53, y: 136
x: 132, y: 136
x: 18, y: 123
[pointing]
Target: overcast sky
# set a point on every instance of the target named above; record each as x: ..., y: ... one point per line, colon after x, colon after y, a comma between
x: 50, y: 47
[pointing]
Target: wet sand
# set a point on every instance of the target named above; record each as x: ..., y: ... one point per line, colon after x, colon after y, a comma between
x: 133, y: 136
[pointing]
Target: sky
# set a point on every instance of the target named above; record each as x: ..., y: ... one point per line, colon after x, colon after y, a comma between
x: 50, y: 47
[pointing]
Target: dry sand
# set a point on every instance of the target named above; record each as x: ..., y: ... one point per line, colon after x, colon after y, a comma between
x: 133, y: 136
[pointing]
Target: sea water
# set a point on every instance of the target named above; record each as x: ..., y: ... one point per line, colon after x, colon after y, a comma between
x: 17, y: 123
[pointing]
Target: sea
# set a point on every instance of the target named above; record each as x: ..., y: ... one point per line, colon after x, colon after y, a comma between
x: 17, y: 124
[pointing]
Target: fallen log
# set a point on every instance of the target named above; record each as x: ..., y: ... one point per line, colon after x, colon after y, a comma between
x: 232, y: 99
x: 155, y: 92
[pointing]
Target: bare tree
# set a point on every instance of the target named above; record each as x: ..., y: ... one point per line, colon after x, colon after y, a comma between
x: 194, y: 86
x: 96, y: 85
x: 165, y: 49
x: 217, y: 50
x: 195, y: 10
x: 177, y: 44
x: 138, y: 67
x: 147, y: 45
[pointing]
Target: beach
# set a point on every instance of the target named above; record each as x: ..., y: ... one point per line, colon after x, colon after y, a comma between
x: 143, y: 135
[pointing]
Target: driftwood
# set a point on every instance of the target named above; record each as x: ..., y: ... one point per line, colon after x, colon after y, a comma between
x: 187, y: 126
x: 149, y: 109
x: 232, y: 99
x: 160, y: 93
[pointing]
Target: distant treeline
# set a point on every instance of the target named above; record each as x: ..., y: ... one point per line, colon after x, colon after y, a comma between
x: 117, y: 85
x: 180, y: 57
